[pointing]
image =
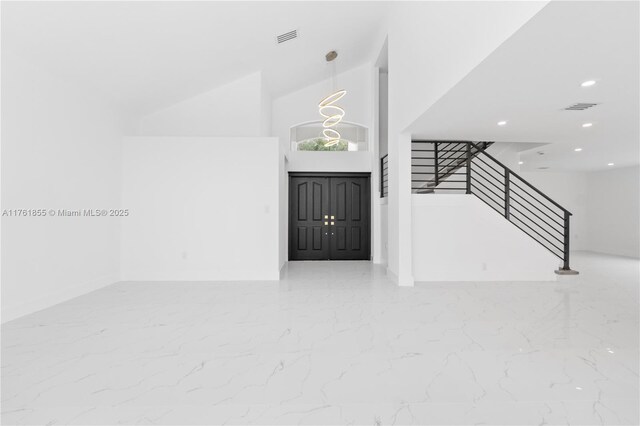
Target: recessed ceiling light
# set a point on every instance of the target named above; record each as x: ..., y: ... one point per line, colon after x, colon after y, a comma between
x: 610, y: 164
x: 588, y: 83
x: 587, y: 125
x: 520, y: 162
x: 502, y: 123
x: 578, y: 149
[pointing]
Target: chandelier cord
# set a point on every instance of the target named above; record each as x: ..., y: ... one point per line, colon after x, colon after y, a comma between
x: 332, y: 113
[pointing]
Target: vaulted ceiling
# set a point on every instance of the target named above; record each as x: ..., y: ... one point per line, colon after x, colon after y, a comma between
x: 530, y: 79
x: 148, y: 55
x: 145, y: 56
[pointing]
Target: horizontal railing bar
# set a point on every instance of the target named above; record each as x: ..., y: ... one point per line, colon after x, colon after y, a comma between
x: 446, y: 145
x: 453, y: 164
x: 438, y: 187
x: 511, y: 216
x: 432, y: 173
x: 501, y: 173
x: 452, y: 171
x: 450, y: 181
x: 500, y: 185
x: 531, y: 204
x: 513, y: 208
x: 453, y: 158
x: 488, y: 197
x: 537, y: 241
x: 526, y: 182
x: 473, y: 179
x: 537, y: 200
x: 527, y: 209
x: 457, y: 188
x: 493, y: 207
x: 441, y: 175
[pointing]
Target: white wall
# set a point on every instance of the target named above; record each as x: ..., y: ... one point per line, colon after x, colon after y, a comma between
x: 60, y: 150
x: 458, y: 238
x: 201, y: 208
x: 384, y: 214
x: 265, y: 109
x: 422, y: 68
x: 569, y: 189
x: 613, y: 212
x: 329, y: 161
x: 383, y: 112
x: 239, y: 108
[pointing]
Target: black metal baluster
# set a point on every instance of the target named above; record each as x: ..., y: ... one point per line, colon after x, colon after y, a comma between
x: 507, y: 199
x: 468, y: 168
x: 565, y: 265
x: 435, y: 147
x: 382, y: 177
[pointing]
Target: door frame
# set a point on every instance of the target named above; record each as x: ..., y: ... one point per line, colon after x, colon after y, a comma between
x: 366, y: 175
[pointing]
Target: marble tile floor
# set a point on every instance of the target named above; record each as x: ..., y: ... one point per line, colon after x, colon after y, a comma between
x: 333, y: 343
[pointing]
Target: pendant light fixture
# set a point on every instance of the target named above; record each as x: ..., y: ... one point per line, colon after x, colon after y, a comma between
x: 328, y: 109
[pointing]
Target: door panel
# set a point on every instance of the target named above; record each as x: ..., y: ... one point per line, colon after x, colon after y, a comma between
x: 342, y: 202
x: 349, y: 203
x: 309, y: 238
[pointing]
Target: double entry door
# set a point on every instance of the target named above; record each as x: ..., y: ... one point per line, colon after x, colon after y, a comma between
x: 329, y: 217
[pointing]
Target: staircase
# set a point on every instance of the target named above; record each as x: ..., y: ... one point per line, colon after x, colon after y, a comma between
x: 435, y: 165
x: 466, y: 167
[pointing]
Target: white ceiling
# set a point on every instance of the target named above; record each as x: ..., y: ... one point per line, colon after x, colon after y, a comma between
x: 148, y: 55
x: 531, y: 77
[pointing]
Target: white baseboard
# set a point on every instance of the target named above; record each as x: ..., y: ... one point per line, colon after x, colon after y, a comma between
x: 406, y: 282
x: 283, y: 269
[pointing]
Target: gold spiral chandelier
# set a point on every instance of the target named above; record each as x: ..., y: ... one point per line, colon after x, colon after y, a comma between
x: 332, y: 116
x: 331, y: 112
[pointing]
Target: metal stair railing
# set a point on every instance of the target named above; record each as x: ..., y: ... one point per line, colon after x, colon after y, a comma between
x: 502, y: 189
x: 435, y: 165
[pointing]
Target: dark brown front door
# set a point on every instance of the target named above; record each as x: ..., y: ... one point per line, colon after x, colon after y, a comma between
x: 329, y: 217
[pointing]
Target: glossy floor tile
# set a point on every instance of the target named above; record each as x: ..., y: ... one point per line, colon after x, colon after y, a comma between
x: 333, y: 343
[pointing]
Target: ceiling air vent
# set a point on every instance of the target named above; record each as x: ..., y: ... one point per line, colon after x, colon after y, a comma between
x: 287, y: 36
x: 579, y: 107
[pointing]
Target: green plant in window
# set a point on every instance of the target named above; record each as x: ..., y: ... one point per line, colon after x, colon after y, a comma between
x: 317, y: 144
